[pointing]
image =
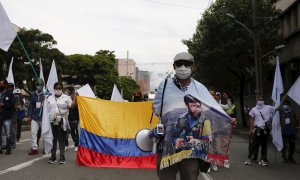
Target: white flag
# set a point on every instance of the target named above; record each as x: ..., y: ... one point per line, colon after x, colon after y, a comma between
x: 46, y: 133
x: 41, y: 71
x: 86, y: 91
x: 10, y: 76
x: 277, y: 90
x: 294, y: 92
x: 7, y: 30
x: 52, y: 78
x: 116, y: 96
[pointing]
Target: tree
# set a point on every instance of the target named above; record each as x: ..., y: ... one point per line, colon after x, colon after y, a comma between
x: 33, y: 40
x: 223, y: 49
x: 99, y: 71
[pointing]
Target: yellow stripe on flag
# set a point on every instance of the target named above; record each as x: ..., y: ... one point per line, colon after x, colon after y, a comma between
x: 114, y: 119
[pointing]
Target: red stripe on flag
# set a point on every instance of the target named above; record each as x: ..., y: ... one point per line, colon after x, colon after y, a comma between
x: 87, y: 157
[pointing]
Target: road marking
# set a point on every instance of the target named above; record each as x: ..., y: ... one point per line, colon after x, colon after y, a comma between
x: 206, y: 176
x: 24, y: 140
x: 28, y: 163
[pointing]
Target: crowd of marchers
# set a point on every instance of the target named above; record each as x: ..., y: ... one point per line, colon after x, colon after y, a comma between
x: 17, y: 109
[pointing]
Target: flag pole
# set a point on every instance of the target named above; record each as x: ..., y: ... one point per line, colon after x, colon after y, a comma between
x: 27, y: 56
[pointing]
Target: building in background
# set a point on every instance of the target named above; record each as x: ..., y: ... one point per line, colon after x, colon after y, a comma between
x: 290, y: 30
x: 143, y: 80
x: 126, y: 68
x: 290, y: 55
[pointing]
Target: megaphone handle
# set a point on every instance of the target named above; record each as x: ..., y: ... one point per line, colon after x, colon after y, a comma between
x: 154, y: 147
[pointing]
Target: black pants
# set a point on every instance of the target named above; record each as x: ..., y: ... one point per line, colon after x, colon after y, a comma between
x: 74, y: 133
x: 288, y: 145
x: 259, y: 139
x: 58, y: 135
x: 188, y: 169
x: 19, y: 127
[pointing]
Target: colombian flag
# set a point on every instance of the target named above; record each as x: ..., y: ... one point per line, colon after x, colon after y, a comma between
x: 108, y: 132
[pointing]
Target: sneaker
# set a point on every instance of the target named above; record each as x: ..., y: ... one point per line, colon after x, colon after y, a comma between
x: 76, y: 149
x: 62, y: 160
x: 33, y: 152
x: 66, y: 148
x: 214, y: 167
x: 52, y: 160
x: 1, y: 152
x: 18, y: 142
x: 263, y: 163
x: 248, y: 162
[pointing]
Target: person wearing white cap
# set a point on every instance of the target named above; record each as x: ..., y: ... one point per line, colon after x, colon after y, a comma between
x: 170, y: 94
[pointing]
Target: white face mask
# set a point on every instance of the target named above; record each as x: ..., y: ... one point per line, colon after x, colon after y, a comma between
x: 260, y: 103
x: 183, y: 72
x: 58, y: 92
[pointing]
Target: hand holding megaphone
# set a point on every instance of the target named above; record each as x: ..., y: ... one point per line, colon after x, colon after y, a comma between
x: 147, y: 139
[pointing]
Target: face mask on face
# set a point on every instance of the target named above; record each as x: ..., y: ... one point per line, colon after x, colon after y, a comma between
x: 260, y: 103
x: 58, y: 92
x: 183, y: 72
x: 39, y: 88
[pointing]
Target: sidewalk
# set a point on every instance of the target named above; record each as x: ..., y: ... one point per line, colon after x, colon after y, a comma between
x: 244, y: 132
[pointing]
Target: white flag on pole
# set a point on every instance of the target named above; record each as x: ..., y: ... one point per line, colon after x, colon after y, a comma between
x: 41, y: 71
x: 277, y: 90
x: 116, y: 96
x: 52, y: 78
x: 46, y: 134
x: 46, y: 126
x: 86, y: 91
x: 294, y: 92
x: 10, y: 76
x: 7, y: 30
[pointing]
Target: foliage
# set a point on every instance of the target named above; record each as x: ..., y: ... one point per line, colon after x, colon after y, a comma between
x: 99, y: 72
x: 32, y: 40
x: 77, y: 69
x: 223, y: 49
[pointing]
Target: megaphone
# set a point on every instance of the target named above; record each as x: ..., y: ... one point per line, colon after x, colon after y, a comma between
x: 147, y: 139
x: 143, y: 141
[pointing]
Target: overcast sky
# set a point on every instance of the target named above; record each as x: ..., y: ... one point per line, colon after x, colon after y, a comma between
x: 151, y: 30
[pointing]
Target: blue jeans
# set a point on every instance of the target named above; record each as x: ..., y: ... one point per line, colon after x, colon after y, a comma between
x: 7, y: 126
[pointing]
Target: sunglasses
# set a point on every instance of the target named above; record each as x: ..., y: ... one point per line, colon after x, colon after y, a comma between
x: 183, y: 63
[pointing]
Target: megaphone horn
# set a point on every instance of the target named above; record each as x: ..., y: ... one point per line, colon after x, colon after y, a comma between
x: 143, y: 141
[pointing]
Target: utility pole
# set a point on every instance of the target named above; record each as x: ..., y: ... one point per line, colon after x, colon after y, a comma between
x: 127, y: 63
x: 258, y: 76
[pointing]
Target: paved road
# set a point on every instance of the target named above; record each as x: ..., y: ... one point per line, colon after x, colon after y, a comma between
x: 19, y: 166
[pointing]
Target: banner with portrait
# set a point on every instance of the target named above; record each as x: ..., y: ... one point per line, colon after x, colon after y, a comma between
x: 195, y: 130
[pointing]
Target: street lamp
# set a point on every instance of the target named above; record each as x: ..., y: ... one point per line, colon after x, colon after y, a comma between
x: 258, y: 74
x: 243, y: 25
x: 277, y: 48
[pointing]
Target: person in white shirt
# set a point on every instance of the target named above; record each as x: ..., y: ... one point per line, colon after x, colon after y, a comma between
x: 260, y: 127
x: 59, y: 109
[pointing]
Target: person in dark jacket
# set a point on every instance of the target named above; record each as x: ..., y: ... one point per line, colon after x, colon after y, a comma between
x: 73, y: 118
x: 288, y: 124
x: 35, y: 115
x: 7, y: 107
